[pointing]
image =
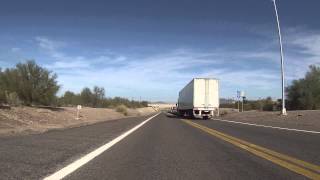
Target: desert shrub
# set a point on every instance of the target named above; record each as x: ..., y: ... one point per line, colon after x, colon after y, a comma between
x: 230, y: 105
x: 122, y: 109
x: 223, y: 113
x: 33, y: 84
x: 268, y: 104
x: 305, y: 93
x: 13, y: 99
x: 116, y: 101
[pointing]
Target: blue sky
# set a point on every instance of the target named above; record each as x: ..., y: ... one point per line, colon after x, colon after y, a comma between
x: 153, y: 48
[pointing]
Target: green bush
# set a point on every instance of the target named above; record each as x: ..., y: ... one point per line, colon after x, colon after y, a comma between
x: 33, y: 84
x: 305, y: 93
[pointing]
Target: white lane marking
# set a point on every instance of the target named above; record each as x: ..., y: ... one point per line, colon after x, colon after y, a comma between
x: 85, y: 159
x: 273, y: 127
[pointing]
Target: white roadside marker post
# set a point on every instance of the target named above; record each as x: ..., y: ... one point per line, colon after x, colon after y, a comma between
x: 78, y: 112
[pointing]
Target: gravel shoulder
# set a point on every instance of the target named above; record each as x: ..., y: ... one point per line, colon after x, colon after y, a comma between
x: 306, y: 120
x: 30, y: 120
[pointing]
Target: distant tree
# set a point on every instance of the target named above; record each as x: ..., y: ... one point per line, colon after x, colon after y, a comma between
x: 268, y: 104
x: 70, y: 98
x: 144, y: 103
x: 98, y: 96
x: 86, y: 96
x: 251, y: 105
x: 305, y: 93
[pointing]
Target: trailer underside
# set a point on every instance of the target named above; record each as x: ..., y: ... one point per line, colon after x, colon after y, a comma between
x: 203, y: 113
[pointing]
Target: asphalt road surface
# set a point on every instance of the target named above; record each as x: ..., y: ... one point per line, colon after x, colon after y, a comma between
x: 165, y: 147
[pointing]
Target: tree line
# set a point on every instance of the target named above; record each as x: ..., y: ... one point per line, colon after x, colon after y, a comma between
x: 266, y: 104
x: 32, y: 85
x: 96, y: 98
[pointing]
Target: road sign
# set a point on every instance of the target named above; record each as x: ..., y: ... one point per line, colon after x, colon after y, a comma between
x: 242, y: 94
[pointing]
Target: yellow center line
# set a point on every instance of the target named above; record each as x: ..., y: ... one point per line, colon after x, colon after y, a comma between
x: 301, y: 167
x: 274, y: 153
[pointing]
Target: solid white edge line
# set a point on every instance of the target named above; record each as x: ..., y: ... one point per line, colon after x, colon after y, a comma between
x: 273, y: 127
x: 88, y: 157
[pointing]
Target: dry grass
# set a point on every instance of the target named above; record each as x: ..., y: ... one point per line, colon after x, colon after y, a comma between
x: 309, y: 120
x: 23, y: 120
x: 122, y: 109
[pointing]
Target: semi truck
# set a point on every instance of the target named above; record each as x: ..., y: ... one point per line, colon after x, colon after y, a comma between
x: 199, y: 98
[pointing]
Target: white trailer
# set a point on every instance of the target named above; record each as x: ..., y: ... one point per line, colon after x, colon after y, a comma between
x: 199, y: 98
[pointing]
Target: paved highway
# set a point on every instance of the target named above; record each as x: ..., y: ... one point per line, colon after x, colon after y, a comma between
x: 165, y: 147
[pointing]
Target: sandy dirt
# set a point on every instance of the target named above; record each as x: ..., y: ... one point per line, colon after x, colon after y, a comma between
x: 307, y: 120
x: 26, y: 120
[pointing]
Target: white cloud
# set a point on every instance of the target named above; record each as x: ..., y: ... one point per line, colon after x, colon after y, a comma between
x: 51, y: 46
x: 309, y: 44
x: 165, y: 73
x: 303, y: 50
x: 48, y: 44
x: 68, y: 65
x: 160, y: 76
x: 15, y: 49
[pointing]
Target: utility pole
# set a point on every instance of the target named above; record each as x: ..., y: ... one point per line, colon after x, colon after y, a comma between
x: 284, y: 112
x: 238, y: 98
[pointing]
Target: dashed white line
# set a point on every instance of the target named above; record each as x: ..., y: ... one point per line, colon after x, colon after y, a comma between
x: 265, y: 126
x: 85, y: 159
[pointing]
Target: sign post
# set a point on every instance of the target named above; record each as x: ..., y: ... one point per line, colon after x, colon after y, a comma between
x: 242, y: 95
x: 238, y: 97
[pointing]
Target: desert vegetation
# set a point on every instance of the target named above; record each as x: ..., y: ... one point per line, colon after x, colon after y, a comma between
x: 32, y: 85
x: 302, y: 94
